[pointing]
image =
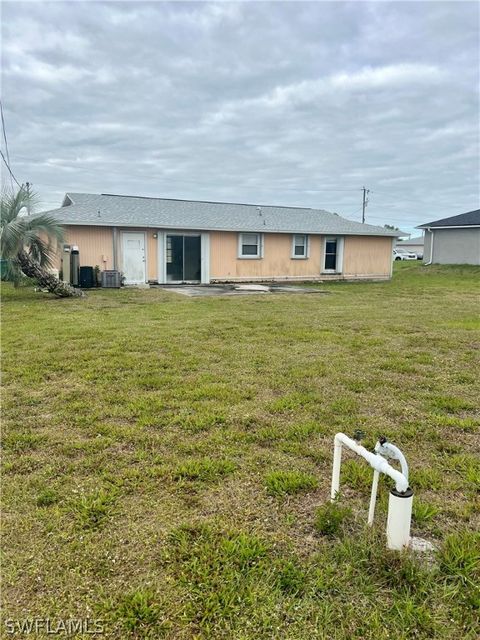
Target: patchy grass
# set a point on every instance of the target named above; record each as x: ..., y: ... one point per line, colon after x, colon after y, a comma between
x: 47, y: 497
x: 423, y: 512
x: 91, y: 510
x: 205, y: 469
x: 136, y: 612
x: 330, y: 519
x: 141, y: 430
x: 279, y: 483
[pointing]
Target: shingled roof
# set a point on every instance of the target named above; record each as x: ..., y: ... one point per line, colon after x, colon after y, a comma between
x: 133, y: 211
x: 469, y: 219
x: 413, y: 241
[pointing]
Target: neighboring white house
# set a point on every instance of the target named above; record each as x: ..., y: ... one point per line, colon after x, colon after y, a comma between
x: 454, y: 240
x: 415, y: 245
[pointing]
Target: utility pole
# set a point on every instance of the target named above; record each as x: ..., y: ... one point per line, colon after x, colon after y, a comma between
x: 27, y: 185
x: 365, y: 202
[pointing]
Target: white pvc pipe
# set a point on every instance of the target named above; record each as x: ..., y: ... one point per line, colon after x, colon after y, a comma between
x: 373, y: 497
x: 337, y: 459
x: 374, y: 459
x: 401, y: 498
x: 398, y: 520
x: 389, y: 450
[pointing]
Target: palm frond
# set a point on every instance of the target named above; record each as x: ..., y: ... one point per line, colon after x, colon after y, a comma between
x: 45, y: 224
x: 39, y: 234
x: 13, y: 204
x: 41, y: 251
x: 12, y: 238
x: 12, y: 273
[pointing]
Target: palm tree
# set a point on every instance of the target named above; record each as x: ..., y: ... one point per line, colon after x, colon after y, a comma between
x: 29, y: 242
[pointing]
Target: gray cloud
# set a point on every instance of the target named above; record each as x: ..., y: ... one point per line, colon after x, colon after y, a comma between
x: 275, y: 103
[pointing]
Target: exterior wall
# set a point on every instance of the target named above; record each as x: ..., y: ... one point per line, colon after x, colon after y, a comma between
x: 455, y: 246
x: 95, y: 245
x: 152, y: 254
x: 363, y: 257
x: 367, y: 256
x: 276, y: 263
x: 415, y: 248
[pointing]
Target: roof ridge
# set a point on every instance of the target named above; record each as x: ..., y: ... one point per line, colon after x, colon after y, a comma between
x: 242, y: 204
x: 198, y: 214
x: 449, y: 220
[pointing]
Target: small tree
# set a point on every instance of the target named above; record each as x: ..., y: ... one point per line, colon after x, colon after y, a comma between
x: 29, y: 243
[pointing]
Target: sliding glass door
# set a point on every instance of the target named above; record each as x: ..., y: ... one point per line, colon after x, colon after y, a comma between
x: 183, y: 258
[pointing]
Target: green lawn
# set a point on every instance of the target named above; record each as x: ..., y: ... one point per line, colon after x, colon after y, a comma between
x: 167, y: 460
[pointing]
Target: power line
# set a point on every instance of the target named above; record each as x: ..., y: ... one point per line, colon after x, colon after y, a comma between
x: 5, y: 138
x: 9, y: 170
x: 4, y: 132
x: 388, y: 195
x: 7, y: 159
x: 318, y: 190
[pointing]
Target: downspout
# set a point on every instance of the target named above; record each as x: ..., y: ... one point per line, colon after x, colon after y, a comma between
x: 432, y: 235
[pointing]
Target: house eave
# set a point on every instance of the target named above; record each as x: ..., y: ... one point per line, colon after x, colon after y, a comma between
x: 450, y: 226
x: 121, y: 225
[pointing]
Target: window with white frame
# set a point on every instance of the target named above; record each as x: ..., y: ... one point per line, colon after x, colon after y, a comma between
x: 300, y: 246
x: 250, y: 245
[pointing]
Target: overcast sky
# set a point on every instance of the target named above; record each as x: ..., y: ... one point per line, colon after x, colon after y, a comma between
x: 272, y: 103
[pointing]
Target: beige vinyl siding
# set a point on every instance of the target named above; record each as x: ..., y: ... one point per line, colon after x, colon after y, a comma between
x: 152, y: 254
x: 95, y: 245
x: 367, y: 256
x: 276, y: 263
x: 363, y: 256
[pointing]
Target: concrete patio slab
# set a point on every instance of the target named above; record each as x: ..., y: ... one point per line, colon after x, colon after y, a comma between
x: 200, y: 291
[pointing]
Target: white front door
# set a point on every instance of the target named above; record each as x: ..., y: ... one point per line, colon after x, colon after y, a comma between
x: 133, y: 250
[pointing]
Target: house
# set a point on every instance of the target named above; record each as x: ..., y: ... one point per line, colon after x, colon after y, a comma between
x: 171, y: 241
x: 415, y: 245
x: 454, y: 240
